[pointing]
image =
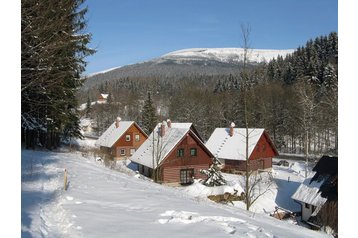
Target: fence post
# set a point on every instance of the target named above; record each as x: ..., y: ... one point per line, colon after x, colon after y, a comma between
x: 65, y: 180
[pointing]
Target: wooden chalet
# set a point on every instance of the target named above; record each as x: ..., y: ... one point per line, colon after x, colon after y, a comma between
x: 102, y: 98
x: 229, y: 146
x: 318, y: 195
x: 176, y: 150
x: 121, y: 139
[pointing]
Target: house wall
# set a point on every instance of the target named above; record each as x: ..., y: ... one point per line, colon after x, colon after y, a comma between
x: 240, y: 165
x: 306, y: 212
x: 172, y: 165
x: 128, y: 145
x: 263, y: 149
x: 260, y: 158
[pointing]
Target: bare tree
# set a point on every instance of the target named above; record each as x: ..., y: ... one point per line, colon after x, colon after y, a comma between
x: 253, y: 181
x: 306, y: 95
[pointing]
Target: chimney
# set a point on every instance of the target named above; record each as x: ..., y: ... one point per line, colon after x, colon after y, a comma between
x: 162, y: 128
x: 118, y: 119
x: 231, y: 132
x: 169, y: 123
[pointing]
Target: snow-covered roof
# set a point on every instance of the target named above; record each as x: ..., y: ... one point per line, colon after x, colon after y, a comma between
x: 224, y: 146
x: 309, y: 193
x: 112, y: 134
x: 160, y: 146
x: 104, y: 95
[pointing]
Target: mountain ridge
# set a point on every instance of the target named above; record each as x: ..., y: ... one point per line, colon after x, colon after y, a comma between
x: 184, y: 62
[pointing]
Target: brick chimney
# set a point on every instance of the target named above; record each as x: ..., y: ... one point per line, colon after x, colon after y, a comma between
x: 118, y: 120
x: 162, y: 128
x: 169, y: 123
x: 231, y: 131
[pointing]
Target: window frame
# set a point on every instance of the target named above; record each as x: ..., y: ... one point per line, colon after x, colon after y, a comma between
x: 132, y: 149
x: 196, y: 152
x: 137, y: 137
x: 122, y: 150
x: 128, y: 137
x: 180, y: 152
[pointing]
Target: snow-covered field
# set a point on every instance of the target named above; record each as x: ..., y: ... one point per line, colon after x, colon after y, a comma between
x: 101, y: 202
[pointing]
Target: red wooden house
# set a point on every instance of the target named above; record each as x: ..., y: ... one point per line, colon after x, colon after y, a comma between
x: 229, y: 146
x: 102, y: 98
x: 176, y: 150
x: 121, y: 139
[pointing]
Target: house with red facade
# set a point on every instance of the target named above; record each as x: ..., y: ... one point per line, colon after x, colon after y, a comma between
x: 121, y: 139
x: 229, y: 146
x: 176, y: 151
x: 102, y: 98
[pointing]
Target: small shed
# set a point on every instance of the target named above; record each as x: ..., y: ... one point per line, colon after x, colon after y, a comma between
x: 229, y: 146
x: 318, y: 195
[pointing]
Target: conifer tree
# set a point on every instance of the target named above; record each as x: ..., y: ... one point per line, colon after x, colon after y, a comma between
x: 149, y: 119
x: 53, y: 49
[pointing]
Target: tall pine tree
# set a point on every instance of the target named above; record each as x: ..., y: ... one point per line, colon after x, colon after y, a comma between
x: 149, y: 119
x: 53, y: 49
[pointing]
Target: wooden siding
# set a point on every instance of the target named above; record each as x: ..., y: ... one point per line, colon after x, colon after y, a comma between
x: 260, y: 158
x: 172, y: 174
x: 263, y: 149
x: 172, y: 164
x: 240, y: 165
x: 128, y: 145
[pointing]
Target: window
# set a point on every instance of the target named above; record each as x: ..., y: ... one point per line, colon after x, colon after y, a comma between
x: 123, y: 151
x: 128, y: 137
x: 264, y: 147
x: 132, y: 151
x: 307, y: 205
x: 180, y: 153
x: 193, y: 152
x: 137, y: 138
x: 186, y: 176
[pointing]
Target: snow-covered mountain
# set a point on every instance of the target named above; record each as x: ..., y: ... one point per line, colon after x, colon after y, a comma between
x: 226, y: 55
x: 176, y: 64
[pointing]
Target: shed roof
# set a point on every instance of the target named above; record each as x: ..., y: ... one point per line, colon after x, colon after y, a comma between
x: 308, y: 192
x: 224, y: 146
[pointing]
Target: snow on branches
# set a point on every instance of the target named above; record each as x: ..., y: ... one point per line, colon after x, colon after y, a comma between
x: 214, y: 175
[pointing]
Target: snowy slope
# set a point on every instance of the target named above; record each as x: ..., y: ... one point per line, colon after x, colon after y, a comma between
x: 101, y: 202
x: 227, y: 55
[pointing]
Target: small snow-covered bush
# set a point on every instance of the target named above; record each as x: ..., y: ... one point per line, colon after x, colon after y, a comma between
x: 214, y: 176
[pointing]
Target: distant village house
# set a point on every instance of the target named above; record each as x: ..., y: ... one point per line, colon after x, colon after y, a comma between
x: 102, y: 98
x: 121, y: 139
x: 176, y: 151
x: 229, y: 146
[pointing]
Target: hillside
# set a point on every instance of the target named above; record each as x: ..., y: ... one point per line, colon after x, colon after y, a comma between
x: 201, y: 61
x: 101, y: 202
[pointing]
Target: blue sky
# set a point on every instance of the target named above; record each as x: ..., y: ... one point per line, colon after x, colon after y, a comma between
x: 130, y: 31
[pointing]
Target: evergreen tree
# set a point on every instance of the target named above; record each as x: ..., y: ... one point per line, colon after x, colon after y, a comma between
x: 53, y: 48
x: 149, y: 119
